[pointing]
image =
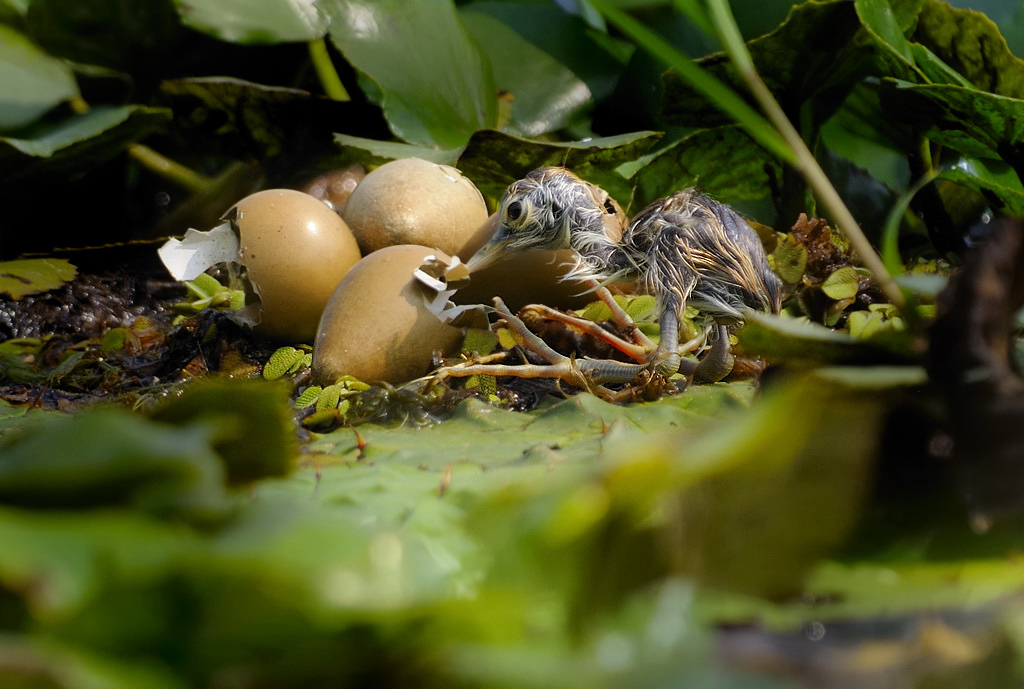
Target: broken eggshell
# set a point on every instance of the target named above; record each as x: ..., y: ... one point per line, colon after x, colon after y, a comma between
x: 294, y: 250
x: 388, y: 316
x: 415, y: 201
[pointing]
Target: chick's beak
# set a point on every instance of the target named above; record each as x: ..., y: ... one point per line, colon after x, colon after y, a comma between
x: 487, y: 255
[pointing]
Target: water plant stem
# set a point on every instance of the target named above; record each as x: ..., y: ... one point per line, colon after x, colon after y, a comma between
x: 805, y: 162
x: 168, y: 169
x: 325, y: 71
x: 718, y: 93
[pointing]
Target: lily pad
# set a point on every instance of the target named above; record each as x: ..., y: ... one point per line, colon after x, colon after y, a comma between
x: 545, y: 95
x: 136, y: 36
x: 31, y: 82
x: 723, y: 161
x: 77, y: 143
x: 34, y: 275
x: 436, y: 90
x: 263, y: 21
x: 247, y: 119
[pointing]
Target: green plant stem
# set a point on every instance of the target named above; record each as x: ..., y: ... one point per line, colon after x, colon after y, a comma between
x: 805, y: 161
x: 718, y: 93
x: 325, y: 71
x: 168, y: 169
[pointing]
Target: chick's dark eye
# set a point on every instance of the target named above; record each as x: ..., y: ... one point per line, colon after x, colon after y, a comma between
x: 609, y: 206
x: 514, y: 211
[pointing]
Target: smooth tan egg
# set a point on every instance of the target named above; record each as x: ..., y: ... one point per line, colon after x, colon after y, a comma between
x: 296, y: 250
x: 414, y: 201
x: 377, y: 326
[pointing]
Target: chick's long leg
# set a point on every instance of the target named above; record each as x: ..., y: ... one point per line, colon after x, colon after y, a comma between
x: 583, y: 373
x: 667, y: 359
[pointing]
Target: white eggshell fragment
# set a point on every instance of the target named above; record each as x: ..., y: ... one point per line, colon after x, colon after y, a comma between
x: 381, y: 324
x: 295, y: 250
x: 414, y: 201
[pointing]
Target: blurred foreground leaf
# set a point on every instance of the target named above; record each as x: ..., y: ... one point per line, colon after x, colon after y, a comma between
x: 247, y: 422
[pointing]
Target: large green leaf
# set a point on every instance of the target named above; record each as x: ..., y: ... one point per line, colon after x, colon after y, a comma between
x: 436, y: 89
x: 985, y: 175
x: 685, y: 499
x: 371, y: 151
x: 983, y: 125
x: 242, y: 118
x: 723, y: 161
x: 77, y: 143
x: 263, y: 21
x: 793, y: 61
x: 546, y: 95
x: 74, y: 557
x: 31, y: 82
x: 884, y: 31
x: 564, y: 37
x: 971, y: 44
x: 136, y: 36
x: 802, y: 343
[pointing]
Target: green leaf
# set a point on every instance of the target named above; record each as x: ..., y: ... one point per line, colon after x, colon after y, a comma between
x: 281, y: 362
x: 703, y: 82
x: 791, y: 70
x: 329, y: 397
x: 564, y: 37
x: 842, y: 284
x: 724, y: 161
x: 135, y: 36
x: 34, y: 275
x: 242, y: 118
x: 988, y: 175
x: 31, y: 82
x: 971, y: 44
x: 546, y: 95
x: 790, y: 259
x: 786, y: 340
x: 641, y: 307
x: 372, y: 152
x: 262, y: 21
x: 879, y: 19
x: 436, y: 90
x: 979, y: 124
x: 46, y: 658
x: 308, y: 397
x: 77, y: 143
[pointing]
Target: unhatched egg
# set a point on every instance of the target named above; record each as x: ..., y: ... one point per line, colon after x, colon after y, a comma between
x: 377, y: 325
x: 414, y: 201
